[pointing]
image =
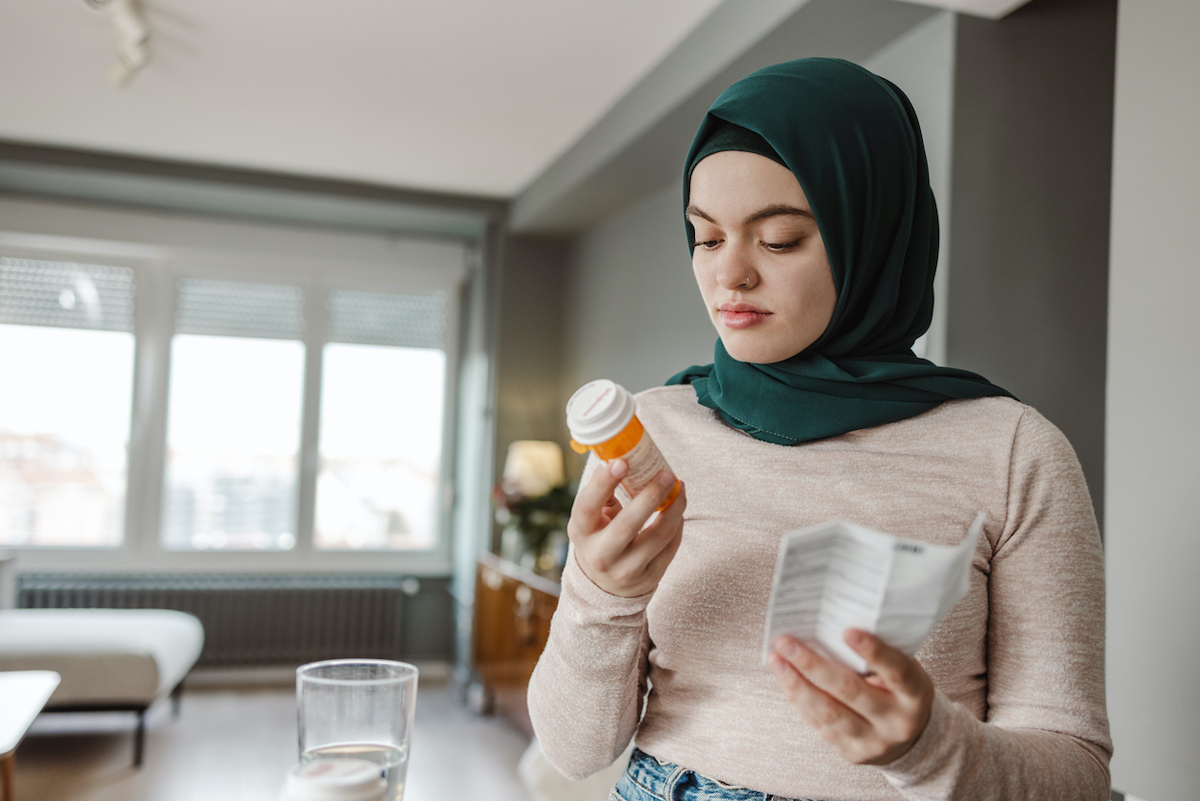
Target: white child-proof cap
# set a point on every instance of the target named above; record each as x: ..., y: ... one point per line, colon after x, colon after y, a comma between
x: 598, y: 411
x: 339, y: 779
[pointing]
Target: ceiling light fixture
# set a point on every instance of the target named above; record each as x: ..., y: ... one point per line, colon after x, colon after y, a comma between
x: 133, y: 36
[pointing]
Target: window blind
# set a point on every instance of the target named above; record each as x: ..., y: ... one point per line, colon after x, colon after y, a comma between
x: 387, y: 318
x: 239, y: 309
x: 66, y: 294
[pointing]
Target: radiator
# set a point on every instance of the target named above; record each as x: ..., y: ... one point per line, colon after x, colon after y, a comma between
x: 272, y: 619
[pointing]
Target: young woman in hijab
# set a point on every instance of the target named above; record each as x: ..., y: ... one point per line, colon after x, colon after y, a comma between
x: 814, y: 239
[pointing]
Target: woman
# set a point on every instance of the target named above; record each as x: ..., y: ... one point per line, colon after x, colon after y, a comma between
x: 814, y: 240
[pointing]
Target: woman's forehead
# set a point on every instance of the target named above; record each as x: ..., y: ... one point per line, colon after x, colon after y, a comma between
x: 733, y: 181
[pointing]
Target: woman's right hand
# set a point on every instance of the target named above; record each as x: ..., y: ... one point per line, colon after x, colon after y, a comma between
x: 613, y: 545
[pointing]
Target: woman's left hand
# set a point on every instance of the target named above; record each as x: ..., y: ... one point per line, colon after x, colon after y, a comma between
x: 869, y: 720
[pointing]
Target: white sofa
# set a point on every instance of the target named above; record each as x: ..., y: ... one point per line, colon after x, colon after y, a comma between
x: 109, y: 659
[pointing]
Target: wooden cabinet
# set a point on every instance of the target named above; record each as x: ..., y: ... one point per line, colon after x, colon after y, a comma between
x: 513, y: 608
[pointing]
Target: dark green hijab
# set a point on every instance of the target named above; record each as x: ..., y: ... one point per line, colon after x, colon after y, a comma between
x: 852, y: 140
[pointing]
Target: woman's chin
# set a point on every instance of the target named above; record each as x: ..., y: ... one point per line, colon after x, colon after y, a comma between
x: 753, y: 353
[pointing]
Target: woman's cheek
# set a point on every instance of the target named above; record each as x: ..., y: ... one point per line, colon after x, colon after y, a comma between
x: 702, y: 270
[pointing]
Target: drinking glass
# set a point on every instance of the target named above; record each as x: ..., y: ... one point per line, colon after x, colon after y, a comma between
x: 360, y: 708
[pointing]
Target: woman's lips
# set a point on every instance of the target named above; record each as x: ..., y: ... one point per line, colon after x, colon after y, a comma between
x: 741, y: 315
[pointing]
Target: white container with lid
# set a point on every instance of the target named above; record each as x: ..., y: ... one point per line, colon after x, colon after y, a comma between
x: 601, y: 417
x: 338, y: 779
x: 599, y: 411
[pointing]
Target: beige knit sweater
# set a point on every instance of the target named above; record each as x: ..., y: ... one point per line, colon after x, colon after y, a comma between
x: 1018, y: 663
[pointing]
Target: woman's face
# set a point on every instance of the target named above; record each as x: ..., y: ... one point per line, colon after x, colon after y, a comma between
x: 759, y: 258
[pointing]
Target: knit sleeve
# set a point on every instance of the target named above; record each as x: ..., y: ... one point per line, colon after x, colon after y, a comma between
x: 1046, y: 729
x: 586, y: 691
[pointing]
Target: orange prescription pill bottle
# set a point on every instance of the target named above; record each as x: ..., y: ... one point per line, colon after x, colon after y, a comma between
x: 601, y: 418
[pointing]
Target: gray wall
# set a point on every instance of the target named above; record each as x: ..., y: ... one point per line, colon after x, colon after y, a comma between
x: 1030, y: 211
x: 1153, y: 537
x: 529, y: 356
x: 617, y: 302
x: 635, y: 313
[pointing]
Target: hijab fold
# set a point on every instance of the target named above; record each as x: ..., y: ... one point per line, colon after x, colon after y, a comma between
x: 853, y: 142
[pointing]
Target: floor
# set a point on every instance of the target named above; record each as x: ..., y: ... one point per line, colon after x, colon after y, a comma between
x: 237, y: 745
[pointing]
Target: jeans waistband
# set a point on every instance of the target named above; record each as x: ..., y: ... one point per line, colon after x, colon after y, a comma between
x: 656, y: 779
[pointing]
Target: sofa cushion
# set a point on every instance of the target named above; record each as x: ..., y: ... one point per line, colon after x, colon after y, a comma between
x: 105, y: 656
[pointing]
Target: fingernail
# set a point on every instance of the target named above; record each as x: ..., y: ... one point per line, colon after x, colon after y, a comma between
x: 617, y: 468
x: 666, y: 478
x: 775, y: 664
x: 855, y: 637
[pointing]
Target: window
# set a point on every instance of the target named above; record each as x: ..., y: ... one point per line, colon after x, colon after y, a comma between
x: 211, y: 395
x: 66, y: 388
x: 233, y: 412
x: 381, y: 421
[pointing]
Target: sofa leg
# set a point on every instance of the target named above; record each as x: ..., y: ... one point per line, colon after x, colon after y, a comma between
x: 139, y: 738
x: 176, y: 698
x: 7, y: 783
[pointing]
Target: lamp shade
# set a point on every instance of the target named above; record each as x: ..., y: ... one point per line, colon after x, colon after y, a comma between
x: 533, y: 467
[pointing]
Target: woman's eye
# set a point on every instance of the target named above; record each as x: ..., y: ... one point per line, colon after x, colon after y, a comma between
x: 707, y: 244
x: 780, y: 247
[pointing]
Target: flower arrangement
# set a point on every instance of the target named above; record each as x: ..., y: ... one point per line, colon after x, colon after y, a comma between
x: 533, y: 505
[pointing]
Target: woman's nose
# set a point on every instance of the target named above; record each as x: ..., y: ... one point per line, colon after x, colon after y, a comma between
x: 736, y: 269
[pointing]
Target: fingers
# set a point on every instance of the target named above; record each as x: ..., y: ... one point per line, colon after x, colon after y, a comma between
x: 867, y: 720
x: 649, y: 499
x: 663, y: 536
x: 834, y: 679
x: 832, y: 719
x: 591, y: 502
x: 896, y: 670
x: 610, y: 511
x: 626, y: 551
x: 629, y: 536
x: 658, y: 565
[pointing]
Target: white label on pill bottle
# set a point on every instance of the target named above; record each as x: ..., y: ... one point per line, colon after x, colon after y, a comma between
x: 645, y: 461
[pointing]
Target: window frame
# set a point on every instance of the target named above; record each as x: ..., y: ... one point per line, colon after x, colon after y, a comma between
x: 172, y: 248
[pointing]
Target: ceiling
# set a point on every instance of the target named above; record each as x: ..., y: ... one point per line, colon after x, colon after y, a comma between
x: 475, y: 96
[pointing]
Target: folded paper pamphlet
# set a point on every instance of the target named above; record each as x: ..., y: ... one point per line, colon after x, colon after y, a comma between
x: 839, y: 575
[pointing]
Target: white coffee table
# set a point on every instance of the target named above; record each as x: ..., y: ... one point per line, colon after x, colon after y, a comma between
x: 23, y: 693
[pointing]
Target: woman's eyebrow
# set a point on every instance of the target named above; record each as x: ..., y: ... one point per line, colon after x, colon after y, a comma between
x: 776, y: 211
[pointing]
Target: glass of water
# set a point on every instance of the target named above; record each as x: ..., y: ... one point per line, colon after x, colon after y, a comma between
x: 360, y: 708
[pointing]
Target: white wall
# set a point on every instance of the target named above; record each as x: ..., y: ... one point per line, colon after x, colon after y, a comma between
x: 634, y: 313
x: 1153, y: 423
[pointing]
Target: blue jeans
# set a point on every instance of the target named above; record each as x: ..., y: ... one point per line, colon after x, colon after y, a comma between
x: 648, y: 779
